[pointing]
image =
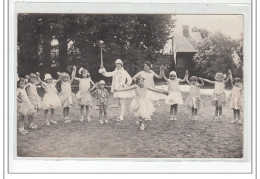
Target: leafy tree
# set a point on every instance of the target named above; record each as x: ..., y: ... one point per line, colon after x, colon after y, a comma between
x: 240, y: 48
x: 214, y: 55
x: 204, y: 33
x: 239, y: 53
x: 28, y: 41
x: 133, y: 38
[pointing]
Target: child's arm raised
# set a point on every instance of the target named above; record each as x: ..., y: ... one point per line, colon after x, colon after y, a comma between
x: 75, y: 78
x: 157, y: 76
x: 73, y: 74
x: 126, y: 88
x: 208, y: 81
x: 202, y: 82
x: 188, y: 82
x: 230, y: 77
x: 59, y: 79
x: 162, y: 73
x: 185, y: 77
x: 39, y: 79
x: 158, y: 90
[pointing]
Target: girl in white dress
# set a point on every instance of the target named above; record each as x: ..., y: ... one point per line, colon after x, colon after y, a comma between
x: 31, y: 89
x: 194, y: 102
x: 66, y: 95
x: 24, y: 106
x: 84, y: 96
x: 141, y: 106
x: 174, y: 98
x: 149, y: 76
x: 219, y: 99
x: 121, y: 79
x: 236, y: 99
x: 50, y: 99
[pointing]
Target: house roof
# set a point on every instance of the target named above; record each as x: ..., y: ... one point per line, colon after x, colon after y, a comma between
x: 182, y: 44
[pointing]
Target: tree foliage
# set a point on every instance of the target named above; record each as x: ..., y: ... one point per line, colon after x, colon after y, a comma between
x: 27, y: 43
x: 133, y: 38
x: 204, y: 33
x: 215, y: 55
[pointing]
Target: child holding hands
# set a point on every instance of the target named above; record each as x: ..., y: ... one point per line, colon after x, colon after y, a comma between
x: 50, y: 99
x: 236, y: 99
x: 141, y: 105
x: 66, y: 95
x: 174, y: 98
x: 83, y: 96
x: 194, y: 102
x: 24, y: 107
x: 219, y: 99
x: 102, y: 99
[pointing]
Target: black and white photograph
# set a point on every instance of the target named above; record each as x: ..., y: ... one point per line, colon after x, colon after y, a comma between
x: 130, y: 86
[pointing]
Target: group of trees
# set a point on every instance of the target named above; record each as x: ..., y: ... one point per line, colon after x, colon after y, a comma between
x: 133, y: 38
x: 218, y: 53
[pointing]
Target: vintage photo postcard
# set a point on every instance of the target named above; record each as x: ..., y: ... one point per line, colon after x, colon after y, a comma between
x: 135, y: 86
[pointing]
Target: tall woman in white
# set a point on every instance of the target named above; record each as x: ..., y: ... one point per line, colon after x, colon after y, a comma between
x: 121, y: 79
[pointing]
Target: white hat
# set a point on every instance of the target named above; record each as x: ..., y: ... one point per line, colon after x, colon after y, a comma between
x: 65, y: 74
x: 47, y: 76
x: 102, y: 82
x: 173, y: 73
x: 118, y: 61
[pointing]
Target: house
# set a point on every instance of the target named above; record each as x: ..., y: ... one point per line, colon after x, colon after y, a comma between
x: 180, y: 50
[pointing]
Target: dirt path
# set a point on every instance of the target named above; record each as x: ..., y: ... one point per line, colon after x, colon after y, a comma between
x: 161, y: 139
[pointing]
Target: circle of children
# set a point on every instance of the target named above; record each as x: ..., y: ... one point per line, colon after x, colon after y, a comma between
x: 143, y: 92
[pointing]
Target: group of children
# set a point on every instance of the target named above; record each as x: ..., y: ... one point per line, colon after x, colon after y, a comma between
x: 143, y: 93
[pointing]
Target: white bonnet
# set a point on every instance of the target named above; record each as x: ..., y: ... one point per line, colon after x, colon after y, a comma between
x: 47, y: 76
x: 173, y: 73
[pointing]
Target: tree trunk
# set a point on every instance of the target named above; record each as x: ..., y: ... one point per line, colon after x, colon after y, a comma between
x: 46, y: 54
x: 63, y: 54
x: 45, y: 30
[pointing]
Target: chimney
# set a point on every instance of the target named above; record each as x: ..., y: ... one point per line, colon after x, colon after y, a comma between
x: 186, y: 30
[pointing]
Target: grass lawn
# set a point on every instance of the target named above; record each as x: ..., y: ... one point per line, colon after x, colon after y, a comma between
x: 162, y: 138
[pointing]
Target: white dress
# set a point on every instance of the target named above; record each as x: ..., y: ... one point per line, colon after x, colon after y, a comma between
x: 24, y: 106
x: 50, y: 98
x: 149, y: 82
x: 66, y: 96
x: 83, y: 96
x: 33, y: 96
x: 141, y: 105
x: 236, y: 98
x: 174, y: 96
x: 120, y: 79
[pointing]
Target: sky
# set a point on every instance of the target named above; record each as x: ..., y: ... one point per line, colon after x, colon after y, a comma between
x: 230, y: 25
